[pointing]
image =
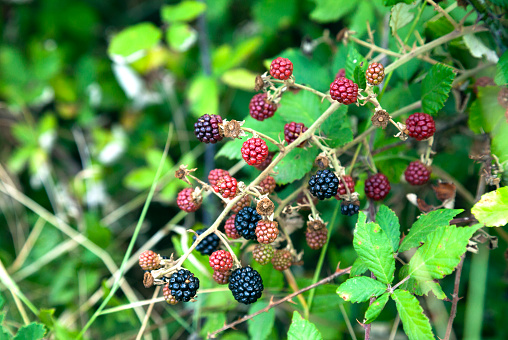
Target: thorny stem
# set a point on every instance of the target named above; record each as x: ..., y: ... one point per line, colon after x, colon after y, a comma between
x: 444, y: 13
x: 303, y: 87
x: 290, y: 198
x: 207, y: 187
x: 312, y: 206
x: 270, y: 139
x: 455, y: 300
x: 226, y: 243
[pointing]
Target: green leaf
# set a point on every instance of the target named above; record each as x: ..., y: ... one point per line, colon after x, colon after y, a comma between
x: 360, y: 289
x: 33, y: 331
x: 214, y: 321
x: 478, y: 48
x: 135, y: 38
x: 389, y: 222
x: 400, y: 16
x: 331, y: 10
x: 376, y: 308
x: 271, y: 15
x: 239, y: 78
x: 492, y: 208
x: 302, y: 107
x: 417, y: 287
x: 441, y: 252
x: 302, y: 329
x: 374, y: 248
x: 435, y: 88
x: 139, y: 179
x: 4, y: 334
x: 416, y: 324
x: 306, y: 70
x: 358, y: 268
x: 426, y: 224
x: 295, y: 165
x: 261, y: 325
x: 2, y: 300
x: 184, y: 11
x: 502, y: 70
x: 359, y: 75
x: 394, y: 2
x: 181, y: 36
x: 354, y: 59
x: 365, y: 12
x: 203, y: 95
x: 337, y: 128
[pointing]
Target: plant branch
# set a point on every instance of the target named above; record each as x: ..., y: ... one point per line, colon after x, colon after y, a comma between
x: 455, y: 300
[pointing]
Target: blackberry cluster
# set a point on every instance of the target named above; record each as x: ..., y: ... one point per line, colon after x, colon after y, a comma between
x: 267, y: 231
x: 417, y: 173
x: 215, y: 175
x: 263, y: 253
x: 186, y: 200
x: 207, y: 130
x: 377, y: 187
x: 349, y: 208
x: 260, y: 108
x: 316, y: 238
x: 242, y: 203
x: 246, y: 285
x: 375, y: 74
x: 183, y: 285
x: 267, y: 185
x: 246, y: 222
x: 209, y: 243
x: 292, y: 131
x: 266, y: 162
x: 281, y: 68
x: 282, y: 259
x: 420, y: 126
x: 341, y: 191
x: 149, y: 260
x: 324, y: 184
x: 254, y: 151
x: 221, y: 278
x: 230, y: 228
x: 344, y: 91
x: 166, y: 292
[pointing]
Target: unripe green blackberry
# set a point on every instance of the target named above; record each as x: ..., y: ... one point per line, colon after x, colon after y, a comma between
x: 263, y: 253
x: 282, y: 259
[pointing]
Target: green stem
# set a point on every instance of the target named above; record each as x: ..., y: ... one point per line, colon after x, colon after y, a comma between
x: 14, y: 289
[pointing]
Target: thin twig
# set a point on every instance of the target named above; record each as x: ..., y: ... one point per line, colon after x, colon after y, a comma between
x: 148, y: 313
x: 455, y: 300
x: 348, y: 323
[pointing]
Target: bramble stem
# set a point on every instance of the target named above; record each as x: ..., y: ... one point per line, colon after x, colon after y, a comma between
x: 270, y: 139
x: 303, y: 87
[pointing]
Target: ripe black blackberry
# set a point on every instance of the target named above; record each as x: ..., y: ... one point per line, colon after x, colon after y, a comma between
x: 377, y: 187
x: 183, y: 285
x: 209, y: 243
x: 246, y: 285
x: 349, y: 208
x: 246, y: 222
x: 207, y: 129
x: 417, y: 173
x: 324, y: 184
x: 260, y: 108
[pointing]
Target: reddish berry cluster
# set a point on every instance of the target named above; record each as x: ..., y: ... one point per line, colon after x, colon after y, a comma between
x: 417, y: 173
x: 281, y: 68
x: 267, y: 231
x: 215, y: 175
x: 375, y: 74
x: 166, y: 291
x: 292, y: 131
x: 254, y: 151
x: 207, y: 129
x: 341, y: 73
x: 342, y: 188
x: 316, y: 239
x: 420, y: 126
x: 221, y: 278
x: 377, y: 187
x: 260, y: 108
x: 226, y: 186
x: 282, y: 259
x: 266, y: 162
x: 344, y: 91
x: 230, y: 228
x: 221, y: 260
x: 267, y: 185
x: 149, y: 260
x: 242, y: 203
x: 186, y: 200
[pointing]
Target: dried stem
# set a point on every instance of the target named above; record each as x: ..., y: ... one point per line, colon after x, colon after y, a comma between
x: 455, y: 300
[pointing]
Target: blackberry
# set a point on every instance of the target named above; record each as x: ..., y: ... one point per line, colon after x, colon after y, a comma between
x: 230, y: 228
x: 260, y: 108
x: 349, y: 208
x: 375, y: 74
x: 266, y: 162
x: 246, y: 222
x: 417, y: 173
x: 263, y: 253
x: 207, y: 129
x: 242, y: 203
x: 292, y: 131
x: 183, y: 285
x: 221, y: 261
x: 209, y: 243
x: 221, y: 278
x: 215, y: 175
x: 188, y: 201
x: 254, y: 151
x: 166, y: 291
x: 281, y: 68
x: 341, y: 191
x: 267, y: 185
x: 282, y: 259
x: 324, y: 184
x: 246, y: 285
x: 316, y: 238
x: 377, y: 187
x: 344, y: 91
x: 227, y: 186
x: 341, y: 73
x: 420, y: 126
x: 267, y: 231
x: 149, y: 260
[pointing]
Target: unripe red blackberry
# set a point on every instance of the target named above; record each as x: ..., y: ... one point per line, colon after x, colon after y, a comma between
x: 242, y: 203
x: 166, y: 291
x: 417, y: 173
x: 226, y: 186
x: 221, y: 260
x: 341, y: 73
x: 268, y: 185
x: 316, y: 239
x: 149, y: 260
x: 267, y: 231
x: 344, y: 91
x: 263, y: 253
x: 482, y: 82
x: 342, y: 188
x: 375, y: 74
x: 230, y: 228
x: 292, y: 131
x: 282, y: 259
x: 281, y: 68
x: 215, y: 175
x: 377, y: 187
x: 207, y: 129
x: 187, y: 200
x: 221, y: 278
x: 254, y: 151
x: 266, y: 162
x: 260, y: 108
x: 420, y: 126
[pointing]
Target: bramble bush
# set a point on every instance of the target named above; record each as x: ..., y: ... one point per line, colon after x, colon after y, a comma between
x: 300, y: 170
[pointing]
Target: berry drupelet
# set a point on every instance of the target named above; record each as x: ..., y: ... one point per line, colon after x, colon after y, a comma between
x: 417, y: 173
x: 324, y: 184
x: 221, y: 261
x: 341, y: 191
x: 292, y: 131
x: 281, y: 68
x: 344, y: 91
x: 246, y: 222
x: 254, y: 151
x: 377, y: 187
x: 209, y: 243
x: 183, y: 285
x: 420, y: 126
x: 187, y: 201
x: 207, y: 129
x: 260, y: 108
x: 246, y: 285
